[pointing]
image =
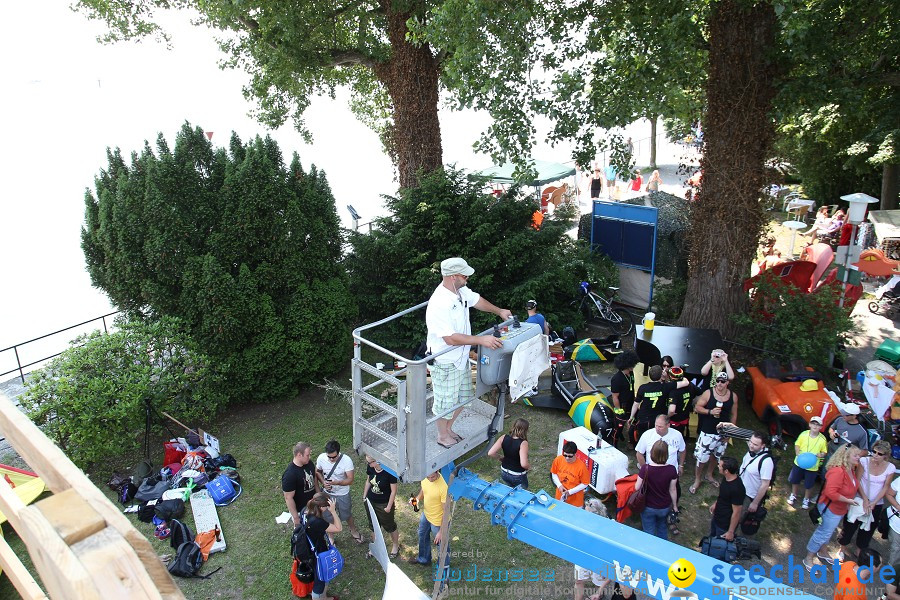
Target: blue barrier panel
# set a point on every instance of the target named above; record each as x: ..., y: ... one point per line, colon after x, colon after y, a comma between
x: 627, y: 234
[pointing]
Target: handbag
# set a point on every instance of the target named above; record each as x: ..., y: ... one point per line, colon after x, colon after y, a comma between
x: 637, y: 501
x: 329, y: 564
x: 814, y: 515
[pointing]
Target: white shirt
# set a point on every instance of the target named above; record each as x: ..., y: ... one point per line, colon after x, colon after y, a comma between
x: 673, y: 439
x: 893, y: 517
x: 448, y: 313
x: 752, y: 474
x: 341, y: 471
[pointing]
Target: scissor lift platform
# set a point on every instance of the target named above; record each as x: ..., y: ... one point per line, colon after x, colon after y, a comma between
x: 392, y: 417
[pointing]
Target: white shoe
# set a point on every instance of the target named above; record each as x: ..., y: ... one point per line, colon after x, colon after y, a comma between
x: 791, y: 500
x: 806, y: 504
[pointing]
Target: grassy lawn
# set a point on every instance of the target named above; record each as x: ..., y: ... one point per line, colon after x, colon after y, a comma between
x: 257, y: 563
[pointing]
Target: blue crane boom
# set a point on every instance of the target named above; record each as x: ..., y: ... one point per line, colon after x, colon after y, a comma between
x: 611, y: 549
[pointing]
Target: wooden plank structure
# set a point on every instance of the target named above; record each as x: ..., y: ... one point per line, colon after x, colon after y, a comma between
x: 82, y: 546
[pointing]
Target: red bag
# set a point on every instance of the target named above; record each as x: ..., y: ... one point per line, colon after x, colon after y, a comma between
x: 175, y: 452
x: 300, y: 589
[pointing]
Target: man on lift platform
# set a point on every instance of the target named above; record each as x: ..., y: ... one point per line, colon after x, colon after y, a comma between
x: 447, y: 318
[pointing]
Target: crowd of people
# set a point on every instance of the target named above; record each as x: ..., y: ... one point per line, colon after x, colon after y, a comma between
x: 858, y: 493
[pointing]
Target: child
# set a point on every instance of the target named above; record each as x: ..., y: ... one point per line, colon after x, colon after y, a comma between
x: 809, y: 441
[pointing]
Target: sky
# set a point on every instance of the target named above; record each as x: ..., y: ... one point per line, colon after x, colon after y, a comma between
x: 68, y: 98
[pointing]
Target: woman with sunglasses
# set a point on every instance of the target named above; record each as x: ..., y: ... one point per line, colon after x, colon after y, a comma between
x: 875, y: 474
x: 838, y: 495
x: 717, y: 363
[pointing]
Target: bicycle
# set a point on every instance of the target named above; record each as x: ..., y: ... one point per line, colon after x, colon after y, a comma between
x: 596, y: 308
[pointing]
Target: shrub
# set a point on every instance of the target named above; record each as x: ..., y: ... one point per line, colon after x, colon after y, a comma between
x: 785, y: 320
x: 91, y: 399
x: 242, y: 249
x: 397, y: 265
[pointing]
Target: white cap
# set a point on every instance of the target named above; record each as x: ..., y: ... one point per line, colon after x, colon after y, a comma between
x: 456, y: 266
x: 851, y: 409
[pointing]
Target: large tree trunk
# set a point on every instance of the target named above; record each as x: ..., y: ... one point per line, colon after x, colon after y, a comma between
x: 411, y: 79
x: 727, y: 218
x: 653, y: 120
x: 889, y: 186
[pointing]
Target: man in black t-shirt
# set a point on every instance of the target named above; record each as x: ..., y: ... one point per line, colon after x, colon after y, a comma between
x: 622, y: 383
x: 681, y: 402
x: 299, y: 482
x: 726, y: 510
x: 652, y: 400
x: 715, y: 407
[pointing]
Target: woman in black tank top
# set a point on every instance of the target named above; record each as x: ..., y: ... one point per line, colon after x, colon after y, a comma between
x: 514, y: 463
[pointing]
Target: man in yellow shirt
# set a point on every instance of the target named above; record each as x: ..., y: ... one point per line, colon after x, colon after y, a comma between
x: 431, y: 499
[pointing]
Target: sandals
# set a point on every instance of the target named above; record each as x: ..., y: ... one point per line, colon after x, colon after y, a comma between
x: 396, y: 552
x: 712, y: 482
x: 694, y: 487
x: 358, y: 538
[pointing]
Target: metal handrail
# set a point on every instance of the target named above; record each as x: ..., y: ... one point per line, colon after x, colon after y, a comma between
x: 15, y: 347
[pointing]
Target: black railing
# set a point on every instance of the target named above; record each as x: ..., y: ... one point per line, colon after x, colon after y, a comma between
x: 21, y: 368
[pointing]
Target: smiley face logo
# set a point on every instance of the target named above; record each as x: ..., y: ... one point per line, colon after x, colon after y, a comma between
x: 682, y: 573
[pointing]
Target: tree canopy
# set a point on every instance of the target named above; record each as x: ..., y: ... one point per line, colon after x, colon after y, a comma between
x: 244, y: 250
x: 396, y: 56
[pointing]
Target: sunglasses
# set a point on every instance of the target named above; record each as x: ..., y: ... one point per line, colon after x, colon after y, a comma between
x: 568, y: 455
x: 666, y: 365
x: 879, y: 453
x: 330, y: 457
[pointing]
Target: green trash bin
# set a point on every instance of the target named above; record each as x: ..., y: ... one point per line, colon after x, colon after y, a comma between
x: 889, y: 352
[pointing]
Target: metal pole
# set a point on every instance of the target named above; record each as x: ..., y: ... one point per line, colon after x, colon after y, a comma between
x: 847, y: 264
x: 19, y: 363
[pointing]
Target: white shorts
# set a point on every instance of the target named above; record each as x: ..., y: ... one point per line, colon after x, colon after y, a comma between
x: 709, y: 445
x: 582, y: 574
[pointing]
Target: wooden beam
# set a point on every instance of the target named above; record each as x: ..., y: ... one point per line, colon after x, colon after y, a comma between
x: 71, y: 516
x: 60, y: 474
x: 21, y: 579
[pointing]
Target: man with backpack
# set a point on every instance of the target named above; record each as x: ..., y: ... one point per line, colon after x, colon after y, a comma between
x: 757, y: 471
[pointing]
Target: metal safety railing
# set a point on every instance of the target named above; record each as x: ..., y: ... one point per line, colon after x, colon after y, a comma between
x: 393, y: 419
x: 22, y: 367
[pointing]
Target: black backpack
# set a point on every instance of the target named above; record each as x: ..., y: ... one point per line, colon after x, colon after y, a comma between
x: 147, y: 511
x: 181, y: 533
x: 774, y: 467
x: 126, y: 492
x: 188, y: 560
x: 300, y: 543
x: 169, y: 509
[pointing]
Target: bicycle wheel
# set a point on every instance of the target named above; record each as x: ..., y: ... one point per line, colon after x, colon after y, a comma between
x: 620, y: 321
x: 874, y: 307
x: 590, y: 311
